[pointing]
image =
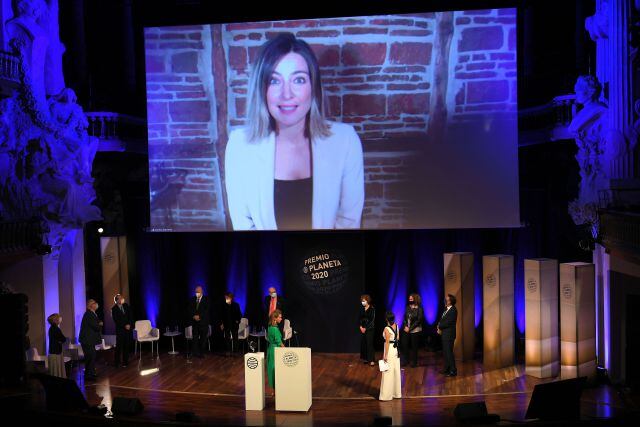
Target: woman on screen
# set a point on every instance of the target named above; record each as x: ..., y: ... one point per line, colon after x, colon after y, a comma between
x: 290, y: 168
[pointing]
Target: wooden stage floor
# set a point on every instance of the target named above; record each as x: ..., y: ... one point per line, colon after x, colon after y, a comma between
x: 345, y: 391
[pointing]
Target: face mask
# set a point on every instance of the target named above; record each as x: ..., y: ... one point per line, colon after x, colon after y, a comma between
x: 228, y: 301
x: 60, y: 321
x: 273, y: 295
x: 198, y: 294
x: 122, y: 301
x: 410, y: 301
x: 364, y: 303
x: 97, y: 307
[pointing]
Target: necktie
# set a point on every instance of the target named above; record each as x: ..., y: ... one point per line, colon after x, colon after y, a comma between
x: 198, y: 303
x: 272, y: 306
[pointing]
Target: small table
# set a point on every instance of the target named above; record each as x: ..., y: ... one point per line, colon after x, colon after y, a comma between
x: 172, y: 334
x: 259, y: 335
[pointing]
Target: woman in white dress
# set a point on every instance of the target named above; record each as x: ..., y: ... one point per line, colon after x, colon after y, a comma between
x: 391, y: 386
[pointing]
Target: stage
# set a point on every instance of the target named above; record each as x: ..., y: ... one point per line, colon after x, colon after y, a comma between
x: 344, y: 392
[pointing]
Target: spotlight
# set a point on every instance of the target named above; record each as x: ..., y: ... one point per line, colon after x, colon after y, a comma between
x: 100, y: 230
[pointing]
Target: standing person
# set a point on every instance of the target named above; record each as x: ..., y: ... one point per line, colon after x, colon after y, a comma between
x: 230, y: 321
x: 447, y: 330
x: 274, y: 339
x: 56, y: 339
x: 391, y: 386
x: 123, y: 319
x: 289, y: 168
x: 412, y: 327
x: 90, y: 336
x: 199, y: 315
x: 367, y: 326
x: 273, y: 302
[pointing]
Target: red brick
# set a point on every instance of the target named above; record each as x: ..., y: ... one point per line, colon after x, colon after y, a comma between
x: 182, y: 95
x: 463, y: 21
x: 333, y: 22
x: 195, y: 36
x: 480, y: 66
x: 481, y: 38
x: 253, y: 53
x: 363, y: 105
x: 181, y: 45
x: 364, y: 53
x: 309, y: 23
x: 173, y: 36
x: 318, y: 33
x: 335, y: 106
x: 183, y: 87
x: 195, y: 199
x: 184, y: 62
x: 190, y: 111
x: 360, y: 70
x: 255, y: 36
x: 151, y: 96
x: 154, y: 64
x: 410, y: 53
x: 241, y: 107
x: 157, y: 112
x: 412, y: 33
x: 365, y: 87
x: 248, y: 26
x: 409, y: 69
x: 417, y: 103
x: 373, y: 189
x: 512, y: 39
x: 487, y: 91
x: 407, y: 86
x: 328, y: 55
x: 364, y: 30
x: 237, y: 57
x: 384, y: 21
x: 487, y: 20
x: 387, y: 78
x: 476, y: 75
x: 239, y: 37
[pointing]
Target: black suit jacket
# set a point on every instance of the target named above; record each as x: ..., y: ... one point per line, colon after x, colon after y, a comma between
x: 230, y: 315
x: 280, y: 304
x: 121, y: 319
x: 201, y: 310
x: 90, y: 329
x: 448, y: 324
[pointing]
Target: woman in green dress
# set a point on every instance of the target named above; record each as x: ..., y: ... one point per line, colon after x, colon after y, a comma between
x: 274, y: 338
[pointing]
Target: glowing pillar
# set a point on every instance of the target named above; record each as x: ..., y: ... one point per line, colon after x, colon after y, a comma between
x: 459, y: 282
x: 498, y: 343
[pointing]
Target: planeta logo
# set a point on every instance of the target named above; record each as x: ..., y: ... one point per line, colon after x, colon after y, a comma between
x: 451, y: 275
x: 567, y: 291
x: 252, y: 363
x: 324, y: 271
x: 290, y: 359
x: 491, y: 280
x: 532, y: 285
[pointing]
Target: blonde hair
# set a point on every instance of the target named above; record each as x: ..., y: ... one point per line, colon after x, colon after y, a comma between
x: 53, y: 319
x: 259, y: 121
x: 273, y: 316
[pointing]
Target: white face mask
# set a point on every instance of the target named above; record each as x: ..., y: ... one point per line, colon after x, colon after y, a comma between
x: 198, y: 294
x: 364, y: 303
x: 122, y: 301
x: 228, y: 301
x: 273, y: 294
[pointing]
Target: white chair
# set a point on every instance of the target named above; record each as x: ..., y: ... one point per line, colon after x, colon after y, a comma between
x: 188, y: 337
x: 209, y: 338
x: 243, y: 331
x: 34, y: 356
x: 288, y: 331
x: 144, y: 332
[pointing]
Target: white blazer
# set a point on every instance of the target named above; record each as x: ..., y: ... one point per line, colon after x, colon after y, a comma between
x: 338, y: 180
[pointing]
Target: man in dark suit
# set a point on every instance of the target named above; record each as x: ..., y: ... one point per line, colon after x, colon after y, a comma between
x: 90, y: 336
x: 230, y: 321
x: 447, y: 330
x: 273, y: 301
x: 200, y: 319
x: 123, y: 319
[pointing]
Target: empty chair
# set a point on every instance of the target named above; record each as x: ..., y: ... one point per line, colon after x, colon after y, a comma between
x: 144, y: 332
x: 243, y: 331
x: 209, y: 338
x: 188, y: 338
x: 288, y: 331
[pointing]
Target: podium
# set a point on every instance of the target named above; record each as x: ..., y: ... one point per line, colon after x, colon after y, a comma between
x: 498, y: 345
x: 254, y: 381
x: 577, y: 320
x: 458, y: 281
x: 293, y: 378
x: 542, y: 358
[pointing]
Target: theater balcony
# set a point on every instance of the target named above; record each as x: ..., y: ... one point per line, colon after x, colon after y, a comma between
x: 9, y: 79
x: 548, y: 122
x: 118, y: 132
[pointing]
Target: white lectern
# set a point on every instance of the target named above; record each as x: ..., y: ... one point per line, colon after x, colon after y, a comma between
x: 254, y: 381
x: 293, y: 378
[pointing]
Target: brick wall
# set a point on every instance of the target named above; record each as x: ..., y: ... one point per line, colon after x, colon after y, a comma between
x: 378, y: 75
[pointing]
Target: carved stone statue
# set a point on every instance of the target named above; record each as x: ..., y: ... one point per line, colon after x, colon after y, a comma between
x: 46, y: 154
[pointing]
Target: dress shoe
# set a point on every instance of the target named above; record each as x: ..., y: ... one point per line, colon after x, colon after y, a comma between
x: 452, y: 374
x: 444, y: 372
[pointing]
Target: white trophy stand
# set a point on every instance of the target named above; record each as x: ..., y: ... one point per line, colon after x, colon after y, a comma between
x: 293, y: 378
x: 254, y: 381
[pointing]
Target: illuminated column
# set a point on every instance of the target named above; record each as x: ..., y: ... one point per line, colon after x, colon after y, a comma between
x: 458, y: 281
x: 497, y: 311
x: 577, y: 320
x: 541, y: 314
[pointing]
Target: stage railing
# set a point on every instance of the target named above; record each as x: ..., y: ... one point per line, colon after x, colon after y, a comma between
x: 117, y: 132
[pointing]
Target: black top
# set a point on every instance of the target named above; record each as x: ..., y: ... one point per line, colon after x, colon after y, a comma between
x: 292, y: 201
x: 413, y: 317
x: 230, y: 315
x: 368, y: 317
x: 90, y: 329
x: 122, y: 316
x: 56, y: 338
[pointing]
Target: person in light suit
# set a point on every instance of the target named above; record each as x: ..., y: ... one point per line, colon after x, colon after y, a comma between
x: 290, y: 168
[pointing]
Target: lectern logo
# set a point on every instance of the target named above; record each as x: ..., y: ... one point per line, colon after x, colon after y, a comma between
x: 567, y: 291
x: 532, y: 285
x: 491, y: 280
x: 252, y: 363
x: 451, y: 275
x: 324, y: 271
x: 290, y: 359
x: 109, y: 258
